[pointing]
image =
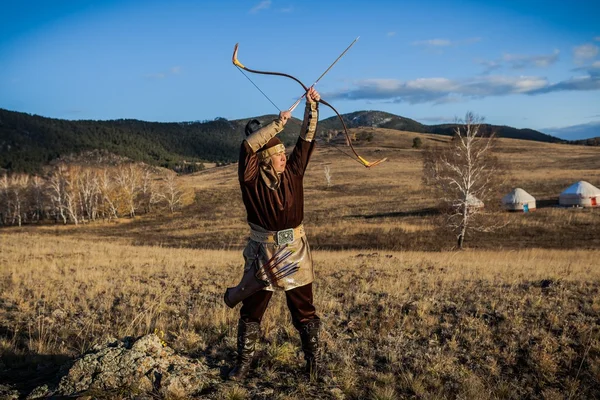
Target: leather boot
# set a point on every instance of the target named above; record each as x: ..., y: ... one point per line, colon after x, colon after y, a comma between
x: 247, y: 335
x: 309, y: 334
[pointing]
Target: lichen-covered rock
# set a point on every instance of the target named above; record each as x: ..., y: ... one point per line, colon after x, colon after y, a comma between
x: 8, y: 393
x: 140, y: 366
x: 40, y: 392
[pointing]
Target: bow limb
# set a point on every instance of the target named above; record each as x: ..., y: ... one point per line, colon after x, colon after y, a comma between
x: 364, y: 162
x: 237, y: 63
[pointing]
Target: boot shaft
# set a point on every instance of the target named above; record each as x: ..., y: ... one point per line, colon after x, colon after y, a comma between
x: 309, y: 335
x: 247, y: 336
x: 248, y: 333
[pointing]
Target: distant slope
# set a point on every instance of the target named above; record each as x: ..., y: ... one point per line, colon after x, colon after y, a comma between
x: 29, y: 141
x: 595, y: 141
x: 379, y: 119
x: 375, y: 119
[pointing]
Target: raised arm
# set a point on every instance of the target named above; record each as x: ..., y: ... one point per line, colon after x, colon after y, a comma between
x: 304, y: 146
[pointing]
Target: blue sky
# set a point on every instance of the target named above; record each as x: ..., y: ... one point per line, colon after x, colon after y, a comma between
x: 527, y: 64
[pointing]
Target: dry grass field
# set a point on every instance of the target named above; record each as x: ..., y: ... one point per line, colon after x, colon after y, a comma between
x: 516, y: 315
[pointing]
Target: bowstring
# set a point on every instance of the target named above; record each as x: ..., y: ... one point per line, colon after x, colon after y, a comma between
x: 263, y: 93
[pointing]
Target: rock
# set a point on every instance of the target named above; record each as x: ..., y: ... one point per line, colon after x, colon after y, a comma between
x: 141, y: 366
x: 337, y: 394
x: 40, y: 392
x: 8, y: 393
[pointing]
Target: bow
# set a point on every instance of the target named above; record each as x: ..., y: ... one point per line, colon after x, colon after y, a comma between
x: 360, y: 159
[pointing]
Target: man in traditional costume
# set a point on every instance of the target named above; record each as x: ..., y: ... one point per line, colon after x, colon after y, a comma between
x: 277, y: 254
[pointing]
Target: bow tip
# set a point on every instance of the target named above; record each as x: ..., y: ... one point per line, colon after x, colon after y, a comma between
x: 374, y: 163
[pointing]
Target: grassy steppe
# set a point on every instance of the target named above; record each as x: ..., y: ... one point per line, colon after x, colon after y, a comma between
x: 516, y: 315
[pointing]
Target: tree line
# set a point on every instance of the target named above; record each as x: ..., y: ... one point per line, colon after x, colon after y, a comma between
x: 72, y: 193
x: 28, y: 142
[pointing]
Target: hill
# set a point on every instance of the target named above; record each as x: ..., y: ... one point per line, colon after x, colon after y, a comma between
x: 379, y: 119
x: 27, y: 142
x: 595, y: 141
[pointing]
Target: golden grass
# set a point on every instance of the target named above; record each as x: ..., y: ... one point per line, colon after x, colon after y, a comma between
x: 514, y: 316
x: 448, y: 324
x: 385, y: 207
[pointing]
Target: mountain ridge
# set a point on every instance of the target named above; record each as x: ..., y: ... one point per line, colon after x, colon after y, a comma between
x: 380, y: 119
x: 28, y: 141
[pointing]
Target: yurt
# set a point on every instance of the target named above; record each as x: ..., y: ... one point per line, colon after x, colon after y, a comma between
x: 519, y: 200
x: 580, y: 194
x: 474, y: 202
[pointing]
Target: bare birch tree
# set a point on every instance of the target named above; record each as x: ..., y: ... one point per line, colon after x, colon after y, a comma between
x: 13, y: 198
x: 89, y: 192
x: 148, y: 191
x: 6, y: 205
x: 327, y: 171
x: 128, y: 180
x: 71, y: 194
x: 171, y: 193
x: 37, y: 195
x: 57, y: 185
x: 460, y: 173
x: 109, y: 207
x: 74, y: 193
x: 18, y: 191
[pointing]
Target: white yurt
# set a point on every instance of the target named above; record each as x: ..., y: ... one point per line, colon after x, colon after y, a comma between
x: 519, y: 200
x: 474, y: 202
x: 581, y: 194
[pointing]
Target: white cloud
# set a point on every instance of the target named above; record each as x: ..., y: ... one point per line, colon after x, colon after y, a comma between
x: 490, y: 65
x: 519, y: 61
x: 585, y: 52
x: 575, y: 132
x: 445, y: 42
x: 263, y: 5
x: 443, y: 90
x: 391, y: 34
x: 433, y: 42
x: 175, y: 70
x: 597, y: 38
x: 578, y: 83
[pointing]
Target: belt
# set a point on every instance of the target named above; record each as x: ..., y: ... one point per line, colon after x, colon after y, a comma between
x: 278, y: 237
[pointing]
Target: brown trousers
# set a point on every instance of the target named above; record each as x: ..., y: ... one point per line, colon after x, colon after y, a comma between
x: 299, y: 302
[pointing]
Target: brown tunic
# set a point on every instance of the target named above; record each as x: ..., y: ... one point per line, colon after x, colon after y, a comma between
x: 279, y: 209
x: 275, y: 210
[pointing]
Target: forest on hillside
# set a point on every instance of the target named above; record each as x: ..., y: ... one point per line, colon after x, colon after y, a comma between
x: 28, y: 142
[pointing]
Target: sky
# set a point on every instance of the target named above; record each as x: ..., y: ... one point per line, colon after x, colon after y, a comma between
x: 526, y: 64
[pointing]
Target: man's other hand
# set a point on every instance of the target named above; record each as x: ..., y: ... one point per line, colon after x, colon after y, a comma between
x: 284, y: 116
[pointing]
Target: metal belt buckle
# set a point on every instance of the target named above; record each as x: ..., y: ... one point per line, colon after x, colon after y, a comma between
x: 285, y: 236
